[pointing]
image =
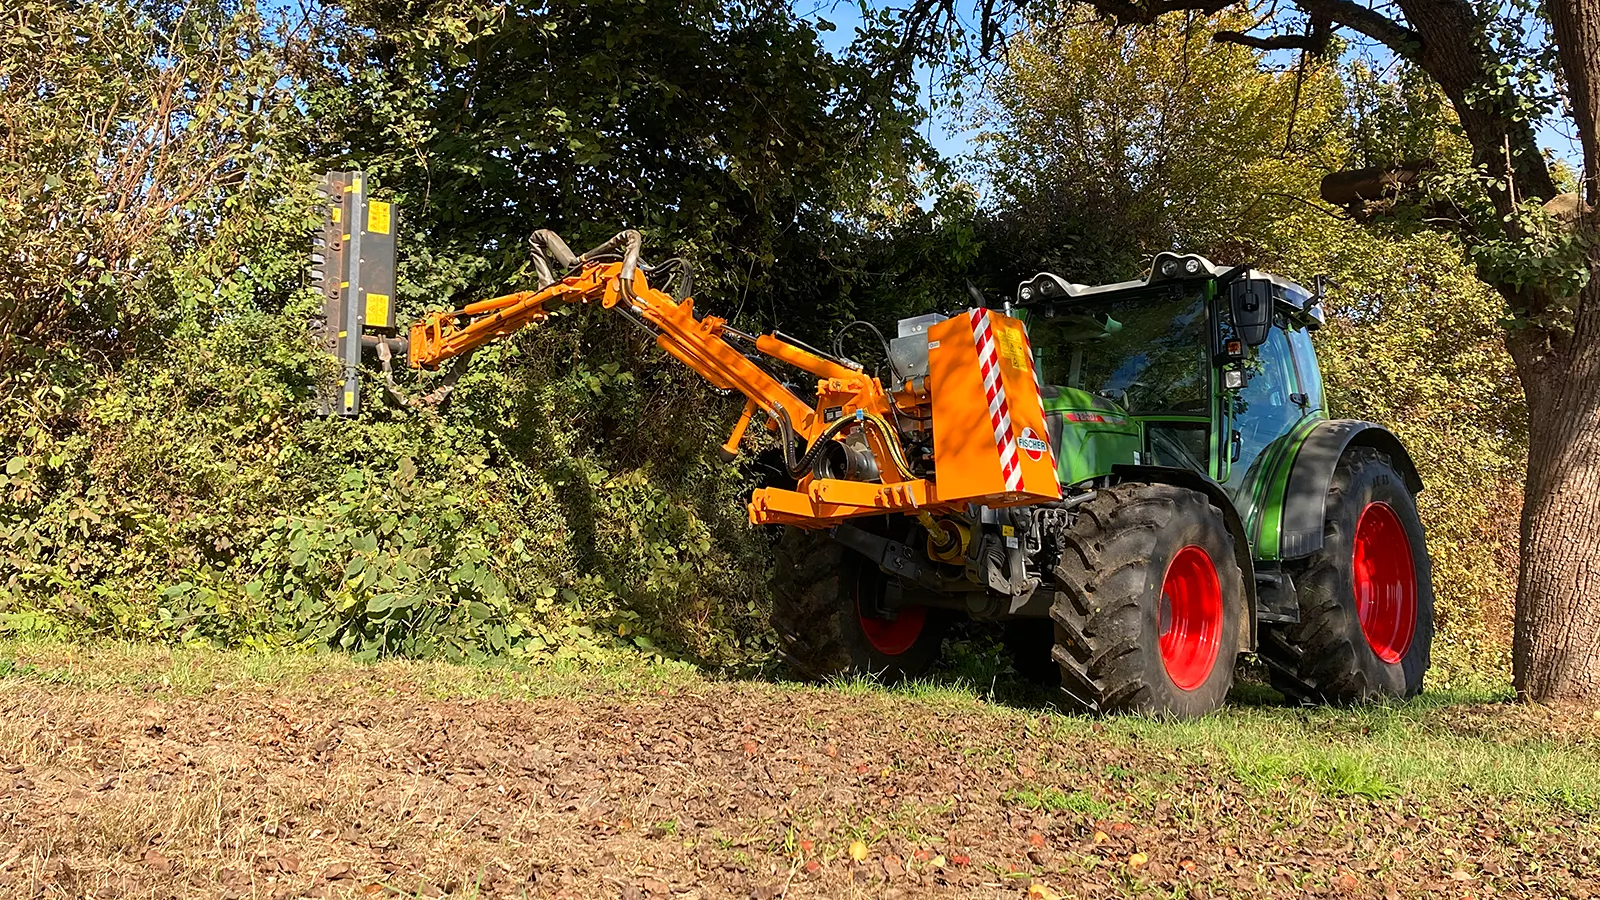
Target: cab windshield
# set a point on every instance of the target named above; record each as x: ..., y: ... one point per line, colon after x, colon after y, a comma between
x: 1148, y: 352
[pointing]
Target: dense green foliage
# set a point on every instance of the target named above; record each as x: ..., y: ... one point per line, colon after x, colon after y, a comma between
x: 164, y: 475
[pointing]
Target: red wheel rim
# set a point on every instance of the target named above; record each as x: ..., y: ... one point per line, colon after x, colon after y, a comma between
x: 1191, y: 618
x: 891, y: 637
x: 1385, y: 580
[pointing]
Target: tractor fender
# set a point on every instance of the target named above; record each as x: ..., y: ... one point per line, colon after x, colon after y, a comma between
x: 1305, y: 496
x: 1195, y: 481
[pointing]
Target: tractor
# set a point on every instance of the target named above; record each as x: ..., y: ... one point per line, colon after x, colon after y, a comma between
x: 1209, y: 507
x: 1139, y: 479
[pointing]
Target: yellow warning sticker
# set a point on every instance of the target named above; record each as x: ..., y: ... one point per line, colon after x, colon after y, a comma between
x: 377, y: 308
x: 1008, y: 340
x: 378, y: 217
x: 336, y: 212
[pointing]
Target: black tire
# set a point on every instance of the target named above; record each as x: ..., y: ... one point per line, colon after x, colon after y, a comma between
x: 1326, y: 657
x: 1108, y: 604
x: 816, y: 588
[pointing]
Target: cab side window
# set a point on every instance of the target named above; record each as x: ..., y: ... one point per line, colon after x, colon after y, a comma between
x: 1305, y: 364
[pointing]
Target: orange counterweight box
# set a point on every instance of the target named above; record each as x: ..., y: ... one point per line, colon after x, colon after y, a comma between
x: 989, y: 440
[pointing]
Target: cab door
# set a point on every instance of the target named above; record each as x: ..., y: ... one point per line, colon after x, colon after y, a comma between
x: 1261, y: 419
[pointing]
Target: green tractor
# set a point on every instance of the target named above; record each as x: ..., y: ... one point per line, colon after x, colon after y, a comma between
x: 1209, y: 508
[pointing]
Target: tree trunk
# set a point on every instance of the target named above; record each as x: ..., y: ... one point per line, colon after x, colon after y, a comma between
x: 1555, y: 652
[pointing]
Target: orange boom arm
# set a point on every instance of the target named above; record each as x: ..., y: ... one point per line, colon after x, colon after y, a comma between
x: 845, y: 429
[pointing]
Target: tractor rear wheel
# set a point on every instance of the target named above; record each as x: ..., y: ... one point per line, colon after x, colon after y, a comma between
x: 1149, y: 603
x: 827, y: 611
x: 1366, y: 598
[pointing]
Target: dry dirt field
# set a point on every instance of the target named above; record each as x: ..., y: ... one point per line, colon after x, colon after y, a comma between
x: 130, y: 772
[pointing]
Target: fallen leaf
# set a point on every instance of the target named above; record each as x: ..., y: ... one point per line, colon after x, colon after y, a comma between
x: 858, y: 851
x: 1100, y: 837
x: 1036, y: 839
x: 1041, y: 891
x: 1138, y: 859
x: 938, y: 861
x: 155, y: 862
x: 1460, y: 875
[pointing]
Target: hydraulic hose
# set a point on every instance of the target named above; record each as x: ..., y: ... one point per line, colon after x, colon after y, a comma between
x: 547, y: 244
x: 798, y: 468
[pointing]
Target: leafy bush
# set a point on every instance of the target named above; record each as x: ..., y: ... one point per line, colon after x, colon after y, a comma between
x: 197, y: 497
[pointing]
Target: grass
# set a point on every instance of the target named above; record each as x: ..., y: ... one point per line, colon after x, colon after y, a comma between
x: 1436, y: 746
x: 196, y: 671
x: 1053, y: 800
x: 1418, y: 748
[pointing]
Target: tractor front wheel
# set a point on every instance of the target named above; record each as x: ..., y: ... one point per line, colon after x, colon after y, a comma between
x: 827, y: 608
x: 1366, y: 598
x: 1149, y: 603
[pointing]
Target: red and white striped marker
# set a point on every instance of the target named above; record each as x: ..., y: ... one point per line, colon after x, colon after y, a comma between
x: 999, y: 410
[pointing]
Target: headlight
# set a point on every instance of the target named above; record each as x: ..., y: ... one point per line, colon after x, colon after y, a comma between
x: 1191, y: 266
x: 1169, y: 267
x: 1026, y: 293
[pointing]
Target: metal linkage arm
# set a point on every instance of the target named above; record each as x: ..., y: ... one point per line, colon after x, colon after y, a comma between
x: 622, y: 283
x: 440, y: 336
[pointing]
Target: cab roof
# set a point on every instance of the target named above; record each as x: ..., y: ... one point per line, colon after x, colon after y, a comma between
x: 1166, y: 268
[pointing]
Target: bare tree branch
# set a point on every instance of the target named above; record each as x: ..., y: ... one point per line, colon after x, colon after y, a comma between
x: 1364, y: 20
x: 1306, y: 42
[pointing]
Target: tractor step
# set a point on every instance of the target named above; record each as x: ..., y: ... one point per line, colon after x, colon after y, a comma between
x: 1276, y: 598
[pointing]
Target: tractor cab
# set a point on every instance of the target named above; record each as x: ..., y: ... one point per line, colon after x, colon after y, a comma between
x: 1195, y: 366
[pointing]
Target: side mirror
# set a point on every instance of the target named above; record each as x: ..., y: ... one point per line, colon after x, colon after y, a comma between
x: 1251, y: 300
